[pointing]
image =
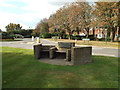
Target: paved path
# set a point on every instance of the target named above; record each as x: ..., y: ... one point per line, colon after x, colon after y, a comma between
x: 28, y: 44
x: 25, y: 43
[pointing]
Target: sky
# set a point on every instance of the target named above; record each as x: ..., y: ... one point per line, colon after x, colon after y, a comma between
x: 27, y: 13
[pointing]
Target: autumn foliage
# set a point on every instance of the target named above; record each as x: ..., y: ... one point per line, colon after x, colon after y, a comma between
x: 82, y: 16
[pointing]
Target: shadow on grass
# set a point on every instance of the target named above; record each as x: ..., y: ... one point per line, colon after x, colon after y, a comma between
x: 21, y: 70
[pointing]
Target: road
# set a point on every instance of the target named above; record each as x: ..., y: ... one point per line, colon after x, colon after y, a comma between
x: 28, y: 44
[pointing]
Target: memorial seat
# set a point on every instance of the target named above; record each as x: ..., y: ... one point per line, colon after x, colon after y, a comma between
x: 42, y: 51
x: 64, y: 50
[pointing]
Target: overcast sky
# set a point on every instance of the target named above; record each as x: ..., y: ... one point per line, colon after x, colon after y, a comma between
x: 27, y: 12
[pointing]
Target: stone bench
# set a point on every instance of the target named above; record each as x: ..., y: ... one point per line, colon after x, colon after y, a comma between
x: 55, y: 53
x: 42, y: 50
x: 68, y: 55
x: 37, y: 50
x: 77, y: 55
x: 63, y: 46
x: 52, y: 52
x: 81, y: 55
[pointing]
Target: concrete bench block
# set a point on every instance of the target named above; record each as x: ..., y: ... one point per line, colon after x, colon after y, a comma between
x: 52, y: 52
x: 37, y: 50
x: 81, y: 55
x: 66, y: 44
x: 47, y: 47
x: 68, y: 55
x: 63, y: 46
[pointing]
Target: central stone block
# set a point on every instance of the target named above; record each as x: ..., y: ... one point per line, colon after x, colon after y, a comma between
x: 63, y: 46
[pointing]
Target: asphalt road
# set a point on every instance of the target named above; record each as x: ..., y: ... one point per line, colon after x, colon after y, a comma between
x: 28, y: 44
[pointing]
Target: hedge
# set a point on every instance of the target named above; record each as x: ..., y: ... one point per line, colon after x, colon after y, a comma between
x: 46, y: 35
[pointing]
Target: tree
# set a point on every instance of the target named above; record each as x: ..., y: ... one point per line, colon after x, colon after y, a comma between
x: 72, y: 17
x: 59, y: 21
x: 42, y: 27
x: 80, y: 16
x: 11, y: 27
x: 107, y: 14
x: 0, y: 30
x: 52, y: 23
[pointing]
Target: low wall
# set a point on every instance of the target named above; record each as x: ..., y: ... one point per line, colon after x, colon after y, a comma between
x: 47, y: 47
x: 81, y: 55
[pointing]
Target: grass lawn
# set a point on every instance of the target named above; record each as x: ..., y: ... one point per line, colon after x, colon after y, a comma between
x: 92, y: 43
x: 21, y: 70
x: 3, y: 40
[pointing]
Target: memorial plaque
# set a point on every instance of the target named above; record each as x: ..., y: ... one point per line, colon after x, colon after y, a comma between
x: 64, y: 45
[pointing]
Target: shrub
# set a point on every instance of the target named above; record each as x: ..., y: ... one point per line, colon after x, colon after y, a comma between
x: 96, y: 39
x: 67, y: 36
x: 64, y: 36
x: 102, y: 39
x: 78, y: 37
x: 54, y: 34
x: 46, y: 35
x: 28, y: 36
x: 5, y: 35
x: 39, y: 36
x: 91, y: 37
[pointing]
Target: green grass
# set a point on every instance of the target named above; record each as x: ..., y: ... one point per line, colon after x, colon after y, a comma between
x: 4, y: 40
x: 21, y: 70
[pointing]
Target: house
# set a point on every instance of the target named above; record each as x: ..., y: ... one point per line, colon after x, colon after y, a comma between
x: 98, y: 32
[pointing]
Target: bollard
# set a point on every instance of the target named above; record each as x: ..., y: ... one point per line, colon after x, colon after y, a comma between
x: 32, y: 38
x: 38, y: 39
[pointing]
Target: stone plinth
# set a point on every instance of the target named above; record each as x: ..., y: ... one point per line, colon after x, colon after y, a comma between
x: 37, y: 50
x: 68, y: 55
x: 81, y: 55
x: 52, y: 52
x: 63, y: 46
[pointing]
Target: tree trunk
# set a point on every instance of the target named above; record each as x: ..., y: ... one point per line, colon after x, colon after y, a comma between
x: 94, y: 32
x: 59, y: 37
x: 113, y: 34
x: 70, y: 34
x: 77, y: 30
x: 87, y: 29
